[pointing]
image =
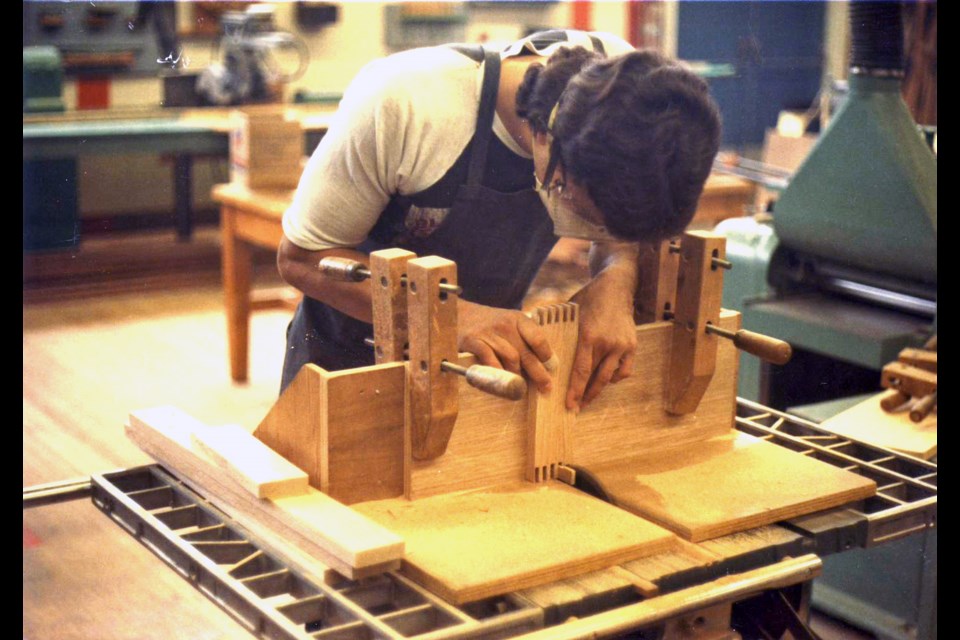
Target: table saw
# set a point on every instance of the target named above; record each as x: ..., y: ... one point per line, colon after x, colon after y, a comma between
x: 399, y: 500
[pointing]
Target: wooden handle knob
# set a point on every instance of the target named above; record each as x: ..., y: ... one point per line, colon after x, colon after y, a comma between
x: 343, y: 269
x: 923, y: 407
x: 764, y: 347
x: 498, y: 382
x: 893, y: 400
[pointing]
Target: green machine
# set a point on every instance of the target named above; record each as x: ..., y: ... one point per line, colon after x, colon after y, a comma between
x: 847, y: 273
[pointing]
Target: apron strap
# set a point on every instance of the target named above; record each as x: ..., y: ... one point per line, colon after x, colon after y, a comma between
x: 484, y: 130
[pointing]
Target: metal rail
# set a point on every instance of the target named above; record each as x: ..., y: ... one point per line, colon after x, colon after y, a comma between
x: 274, y: 597
x: 906, y: 499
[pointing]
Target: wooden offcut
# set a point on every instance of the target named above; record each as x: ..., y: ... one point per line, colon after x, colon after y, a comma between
x: 265, y: 149
x: 312, y: 522
x: 693, y: 352
x: 250, y: 463
x: 868, y: 422
x: 726, y: 484
x: 473, y: 545
x: 549, y: 420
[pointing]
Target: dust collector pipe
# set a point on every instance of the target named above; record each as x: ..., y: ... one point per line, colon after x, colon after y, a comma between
x: 876, y: 39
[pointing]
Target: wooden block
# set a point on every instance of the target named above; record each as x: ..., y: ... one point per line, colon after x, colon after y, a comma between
x: 387, y: 268
x: 314, y: 523
x: 912, y: 381
x: 657, y: 268
x: 344, y: 428
x: 265, y: 150
x: 727, y: 484
x: 549, y: 421
x: 868, y: 422
x: 473, y: 545
x: 693, y: 352
x: 249, y: 462
x: 920, y: 358
x: 432, y: 323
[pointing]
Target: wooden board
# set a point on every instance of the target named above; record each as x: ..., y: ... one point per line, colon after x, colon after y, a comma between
x: 345, y: 428
x: 250, y: 463
x: 314, y: 523
x: 727, y: 484
x: 473, y: 545
x: 869, y: 423
x: 549, y: 421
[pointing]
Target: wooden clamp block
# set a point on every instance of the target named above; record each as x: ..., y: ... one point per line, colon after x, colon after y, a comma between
x: 693, y: 352
x: 911, y: 381
x: 656, y: 294
x: 549, y: 422
x: 387, y: 268
x: 432, y: 394
x: 920, y: 358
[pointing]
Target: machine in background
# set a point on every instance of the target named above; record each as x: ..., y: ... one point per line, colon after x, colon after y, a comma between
x: 847, y: 273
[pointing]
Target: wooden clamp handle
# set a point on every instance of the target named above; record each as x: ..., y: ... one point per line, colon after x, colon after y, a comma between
x: 343, y: 269
x: 498, y: 382
x: 764, y: 347
x: 923, y: 408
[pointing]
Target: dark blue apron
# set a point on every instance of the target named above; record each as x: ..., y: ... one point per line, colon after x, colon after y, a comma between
x: 496, y: 230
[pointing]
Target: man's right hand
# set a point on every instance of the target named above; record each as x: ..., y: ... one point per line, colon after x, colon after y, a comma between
x: 505, y: 339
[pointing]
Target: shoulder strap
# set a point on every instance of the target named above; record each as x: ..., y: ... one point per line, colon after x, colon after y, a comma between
x: 488, y: 104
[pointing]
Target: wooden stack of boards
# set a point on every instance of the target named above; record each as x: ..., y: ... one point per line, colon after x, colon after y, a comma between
x: 472, y: 522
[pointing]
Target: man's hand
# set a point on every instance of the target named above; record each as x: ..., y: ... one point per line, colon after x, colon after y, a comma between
x: 505, y: 339
x: 608, y: 336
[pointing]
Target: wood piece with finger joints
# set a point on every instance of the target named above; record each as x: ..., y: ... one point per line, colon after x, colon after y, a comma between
x: 693, y: 351
x: 549, y: 422
x: 432, y: 393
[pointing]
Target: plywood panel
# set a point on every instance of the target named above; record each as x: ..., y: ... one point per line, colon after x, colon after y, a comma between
x: 869, y: 423
x: 473, y: 545
x: 727, y: 484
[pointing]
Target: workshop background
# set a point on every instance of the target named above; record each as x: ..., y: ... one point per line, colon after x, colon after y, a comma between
x: 135, y: 293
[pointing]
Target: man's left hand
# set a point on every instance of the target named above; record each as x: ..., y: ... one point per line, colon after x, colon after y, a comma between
x: 608, y: 338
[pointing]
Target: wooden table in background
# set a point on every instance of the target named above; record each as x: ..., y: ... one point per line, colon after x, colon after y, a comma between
x: 723, y: 197
x: 248, y: 218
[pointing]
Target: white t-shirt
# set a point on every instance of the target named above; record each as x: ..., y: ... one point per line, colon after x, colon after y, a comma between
x: 403, y: 122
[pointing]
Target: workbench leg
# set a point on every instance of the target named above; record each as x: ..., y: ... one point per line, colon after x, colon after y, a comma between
x: 237, y: 275
x: 183, y: 194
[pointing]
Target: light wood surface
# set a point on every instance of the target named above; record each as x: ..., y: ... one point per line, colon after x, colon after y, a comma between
x: 727, y: 484
x: 250, y: 463
x: 469, y: 546
x: 693, y: 351
x: 549, y: 422
x: 869, y: 422
x: 432, y: 397
x: 657, y: 268
x: 389, y: 294
x: 313, y: 522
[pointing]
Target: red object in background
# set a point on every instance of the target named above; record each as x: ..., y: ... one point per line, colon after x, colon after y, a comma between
x: 93, y: 93
x: 30, y: 539
x: 582, y: 15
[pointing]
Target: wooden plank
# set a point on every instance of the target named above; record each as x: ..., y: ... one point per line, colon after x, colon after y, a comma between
x: 250, y: 463
x: 472, y: 545
x: 868, y: 422
x: 693, y: 352
x: 549, y: 422
x: 920, y: 358
x: 727, y: 484
x: 387, y: 268
x: 432, y: 324
x: 314, y: 523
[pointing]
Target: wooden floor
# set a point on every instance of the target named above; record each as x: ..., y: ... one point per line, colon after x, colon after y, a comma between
x: 88, y: 359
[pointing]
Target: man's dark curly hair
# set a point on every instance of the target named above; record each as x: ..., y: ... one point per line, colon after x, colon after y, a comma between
x: 639, y: 131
